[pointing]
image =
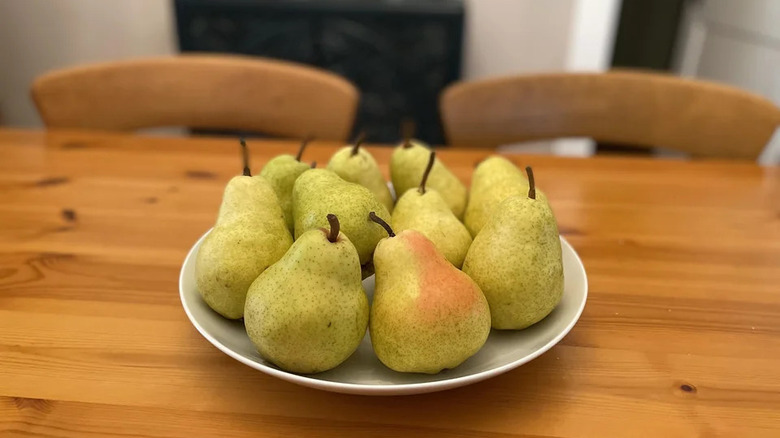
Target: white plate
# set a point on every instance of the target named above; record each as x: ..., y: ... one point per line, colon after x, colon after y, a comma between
x: 363, y: 373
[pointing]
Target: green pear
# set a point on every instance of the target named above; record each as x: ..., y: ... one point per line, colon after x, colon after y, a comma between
x: 426, y: 315
x: 282, y: 171
x: 357, y: 165
x: 308, y: 312
x: 494, y: 180
x: 408, y: 162
x: 516, y: 260
x: 318, y: 192
x: 249, y: 236
x: 424, y: 210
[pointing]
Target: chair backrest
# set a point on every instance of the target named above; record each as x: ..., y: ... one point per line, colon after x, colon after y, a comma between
x: 701, y: 118
x: 194, y: 91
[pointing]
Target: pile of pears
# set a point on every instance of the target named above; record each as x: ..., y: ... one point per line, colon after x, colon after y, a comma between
x: 292, y: 245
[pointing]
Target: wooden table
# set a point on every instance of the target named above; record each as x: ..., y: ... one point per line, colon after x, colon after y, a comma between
x: 680, y: 336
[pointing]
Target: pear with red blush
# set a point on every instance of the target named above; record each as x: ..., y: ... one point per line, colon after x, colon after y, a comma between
x: 426, y: 315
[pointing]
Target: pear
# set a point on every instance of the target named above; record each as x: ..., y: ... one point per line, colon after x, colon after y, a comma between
x: 423, y: 209
x: 408, y: 162
x: 516, y: 260
x: 357, y: 165
x: 426, y: 315
x: 282, y: 171
x: 318, y: 192
x: 308, y: 312
x: 249, y: 236
x: 494, y: 180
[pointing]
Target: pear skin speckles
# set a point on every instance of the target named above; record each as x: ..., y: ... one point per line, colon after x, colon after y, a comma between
x: 494, y: 180
x: 516, y: 260
x: 281, y: 172
x: 361, y: 168
x: 308, y: 312
x: 250, y: 235
x: 426, y: 315
x: 407, y: 166
x: 430, y: 215
x: 318, y: 192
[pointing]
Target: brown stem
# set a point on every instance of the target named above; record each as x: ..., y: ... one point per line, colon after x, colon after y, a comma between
x: 407, y: 132
x: 334, y: 228
x: 531, y: 184
x: 313, y: 164
x: 356, y: 144
x: 245, y: 157
x: 427, y: 172
x: 303, y: 146
x: 384, y: 224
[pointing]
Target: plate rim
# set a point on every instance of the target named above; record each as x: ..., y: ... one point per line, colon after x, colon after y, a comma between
x: 383, y: 389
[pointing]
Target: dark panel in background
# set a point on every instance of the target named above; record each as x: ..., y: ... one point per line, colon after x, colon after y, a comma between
x: 399, y: 53
x: 647, y: 33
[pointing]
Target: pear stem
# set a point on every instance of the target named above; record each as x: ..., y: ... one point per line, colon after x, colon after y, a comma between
x: 303, y: 146
x: 313, y: 164
x: 407, y: 131
x: 333, y: 220
x: 531, y: 184
x: 427, y: 172
x: 384, y: 224
x: 245, y: 157
x: 356, y: 144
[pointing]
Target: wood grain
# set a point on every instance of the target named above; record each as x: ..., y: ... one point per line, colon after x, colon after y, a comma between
x: 198, y: 91
x: 704, y: 119
x: 680, y: 337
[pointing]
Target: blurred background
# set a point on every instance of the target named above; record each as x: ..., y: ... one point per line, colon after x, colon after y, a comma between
x: 401, y: 53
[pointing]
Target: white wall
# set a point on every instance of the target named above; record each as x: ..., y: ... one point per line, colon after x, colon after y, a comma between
x: 529, y: 36
x: 505, y: 37
x: 515, y: 36
x: 40, y: 35
x: 737, y: 43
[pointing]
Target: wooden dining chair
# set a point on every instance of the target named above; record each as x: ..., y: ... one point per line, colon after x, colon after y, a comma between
x: 703, y: 119
x: 202, y: 92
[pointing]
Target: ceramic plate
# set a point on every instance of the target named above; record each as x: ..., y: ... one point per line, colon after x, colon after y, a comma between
x: 363, y: 373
